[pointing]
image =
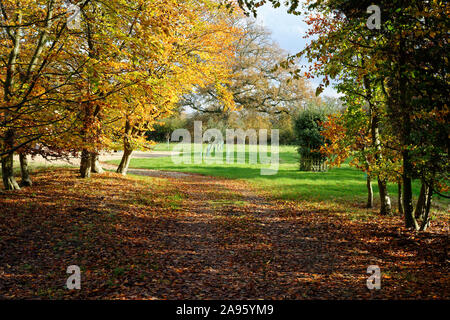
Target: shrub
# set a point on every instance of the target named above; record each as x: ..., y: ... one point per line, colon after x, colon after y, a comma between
x: 308, y: 127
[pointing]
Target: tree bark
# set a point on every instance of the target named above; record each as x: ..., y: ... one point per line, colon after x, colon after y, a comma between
x: 26, y: 180
x: 410, y: 220
x: 85, y: 164
x: 95, y: 163
x: 404, y: 108
x: 127, y: 150
x: 369, y: 192
x: 385, y: 200
x: 422, y: 212
x: 9, y: 181
x: 419, y: 212
x: 426, y: 217
x: 125, y: 162
x: 400, y: 199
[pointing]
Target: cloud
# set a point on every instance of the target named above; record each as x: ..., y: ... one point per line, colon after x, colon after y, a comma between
x: 331, y: 92
x: 287, y: 29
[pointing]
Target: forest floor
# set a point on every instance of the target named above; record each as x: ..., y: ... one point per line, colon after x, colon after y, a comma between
x: 155, y: 235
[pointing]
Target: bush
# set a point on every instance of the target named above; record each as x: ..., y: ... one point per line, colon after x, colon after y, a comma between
x: 163, y: 129
x: 308, y: 126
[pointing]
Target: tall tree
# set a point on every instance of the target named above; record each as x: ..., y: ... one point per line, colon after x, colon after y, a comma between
x: 257, y: 82
x: 33, y: 35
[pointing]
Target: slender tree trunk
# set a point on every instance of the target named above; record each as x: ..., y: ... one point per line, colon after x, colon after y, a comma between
x: 95, y: 163
x: 419, y: 212
x: 426, y: 217
x: 86, y: 134
x: 127, y: 150
x: 369, y: 192
x: 410, y: 220
x: 423, y: 205
x: 26, y: 180
x: 385, y: 200
x: 8, y: 83
x: 85, y: 164
x: 404, y: 107
x: 400, y: 199
x: 9, y: 181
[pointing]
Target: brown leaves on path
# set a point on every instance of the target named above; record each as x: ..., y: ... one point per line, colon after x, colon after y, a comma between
x: 197, y: 237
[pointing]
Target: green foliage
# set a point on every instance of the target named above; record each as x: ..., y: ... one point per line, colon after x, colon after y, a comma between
x: 308, y: 127
x: 163, y: 129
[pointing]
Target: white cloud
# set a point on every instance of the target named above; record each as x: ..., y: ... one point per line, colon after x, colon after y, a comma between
x: 331, y: 92
x: 288, y: 31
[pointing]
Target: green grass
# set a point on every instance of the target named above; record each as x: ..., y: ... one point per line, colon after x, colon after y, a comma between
x: 344, y: 183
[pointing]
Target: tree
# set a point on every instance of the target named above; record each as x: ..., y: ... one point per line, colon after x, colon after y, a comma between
x: 308, y: 128
x: 63, y: 88
x: 257, y: 81
x: 261, y: 85
x: 33, y: 35
x: 200, y: 54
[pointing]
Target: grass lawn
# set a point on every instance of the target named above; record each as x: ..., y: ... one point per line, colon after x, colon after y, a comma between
x: 338, y: 184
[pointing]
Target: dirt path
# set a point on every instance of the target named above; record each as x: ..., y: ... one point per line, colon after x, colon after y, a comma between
x: 230, y: 242
x: 188, y: 236
x: 149, y: 172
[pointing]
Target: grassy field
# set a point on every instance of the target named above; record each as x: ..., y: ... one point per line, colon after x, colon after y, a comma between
x: 344, y: 183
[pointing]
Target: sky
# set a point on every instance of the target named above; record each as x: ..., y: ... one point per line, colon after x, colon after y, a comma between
x: 288, y: 31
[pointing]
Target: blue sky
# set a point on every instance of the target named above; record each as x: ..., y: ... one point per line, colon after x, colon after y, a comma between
x: 288, y: 31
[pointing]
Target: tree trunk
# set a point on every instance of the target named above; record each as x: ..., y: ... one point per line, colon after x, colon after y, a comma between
x: 95, y: 163
x: 127, y: 150
x: 385, y: 200
x: 426, y: 217
x: 410, y: 220
x: 419, y: 213
x: 26, y: 180
x: 9, y: 181
x: 404, y: 108
x: 125, y: 162
x: 369, y: 192
x: 85, y: 164
x: 400, y: 199
x: 423, y: 205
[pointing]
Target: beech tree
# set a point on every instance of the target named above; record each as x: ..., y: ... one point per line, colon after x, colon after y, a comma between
x: 62, y: 87
x: 200, y: 54
x: 33, y: 35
